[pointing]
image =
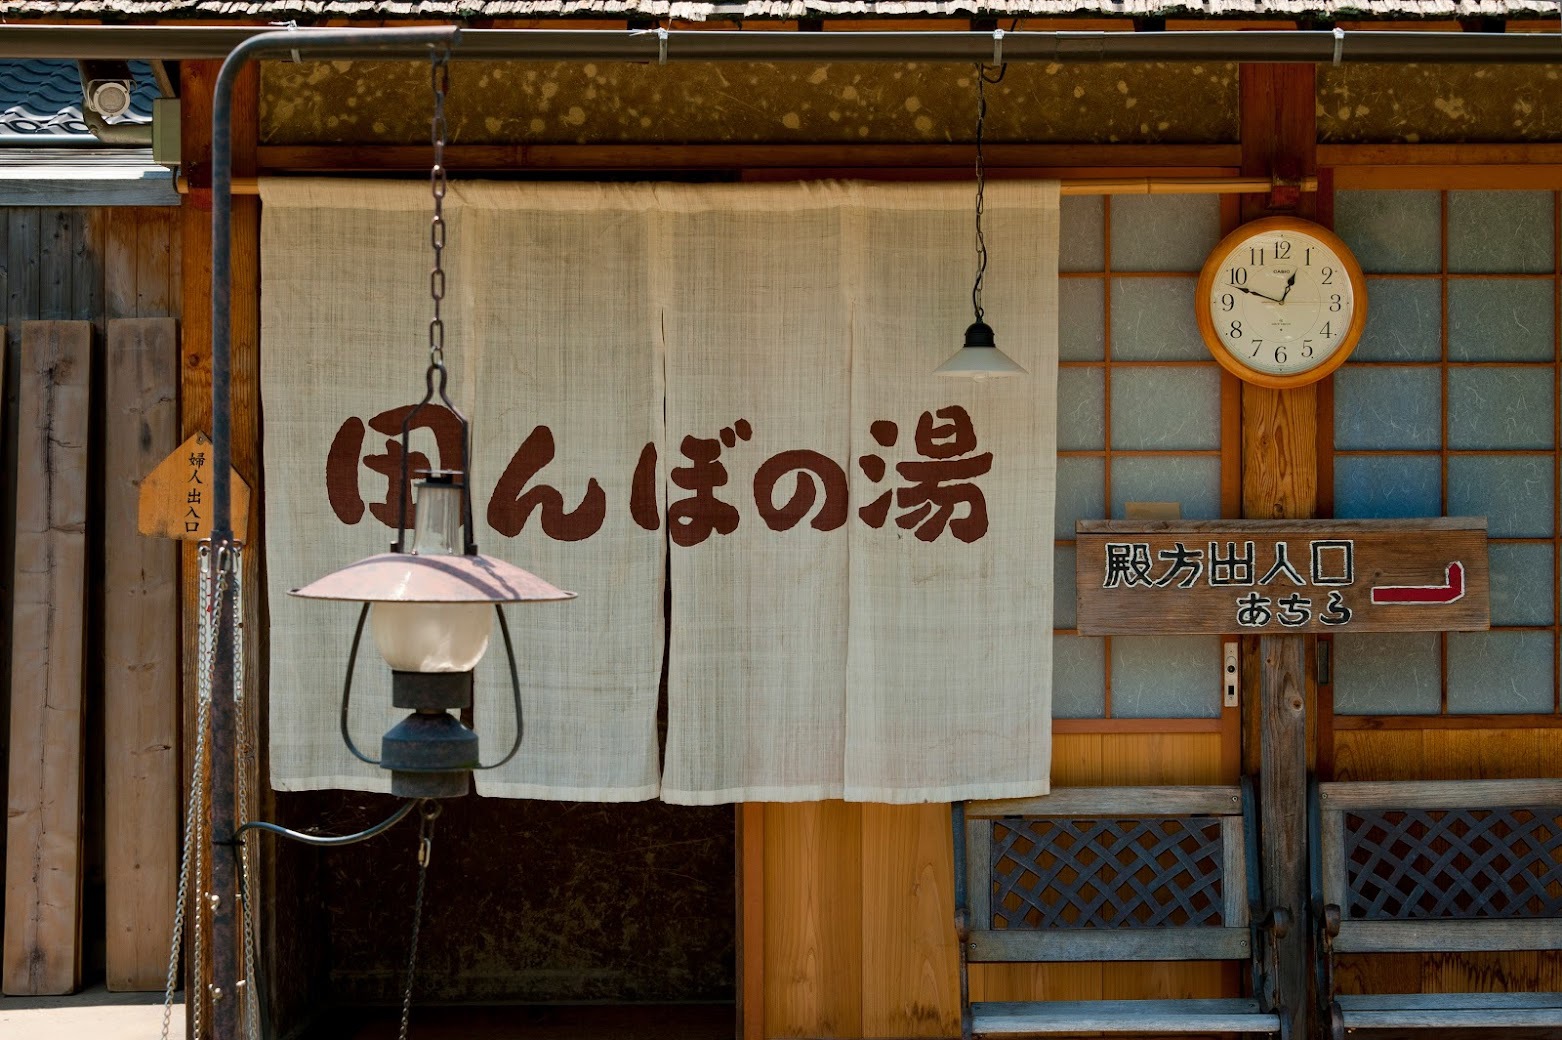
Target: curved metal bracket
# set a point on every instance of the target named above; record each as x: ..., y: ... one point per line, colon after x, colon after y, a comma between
x: 347, y: 688
x: 515, y: 690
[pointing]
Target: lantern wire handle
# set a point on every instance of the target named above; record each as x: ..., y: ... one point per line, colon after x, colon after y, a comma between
x: 515, y: 688
x: 347, y: 688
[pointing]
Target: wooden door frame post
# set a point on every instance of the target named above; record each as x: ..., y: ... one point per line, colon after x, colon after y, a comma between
x: 1280, y: 480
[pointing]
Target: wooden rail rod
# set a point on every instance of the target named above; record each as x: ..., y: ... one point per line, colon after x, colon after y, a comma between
x: 1085, y: 186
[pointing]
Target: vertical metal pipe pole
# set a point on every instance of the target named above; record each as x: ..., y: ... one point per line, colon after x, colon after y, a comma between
x: 226, y: 1006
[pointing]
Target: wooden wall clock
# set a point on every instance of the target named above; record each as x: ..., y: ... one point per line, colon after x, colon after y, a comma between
x: 1281, y: 302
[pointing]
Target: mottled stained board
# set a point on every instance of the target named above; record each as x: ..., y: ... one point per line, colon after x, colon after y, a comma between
x: 42, y: 946
x: 1436, y: 558
x: 141, y: 658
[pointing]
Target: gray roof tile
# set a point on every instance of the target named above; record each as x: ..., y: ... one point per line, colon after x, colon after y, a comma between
x: 42, y: 99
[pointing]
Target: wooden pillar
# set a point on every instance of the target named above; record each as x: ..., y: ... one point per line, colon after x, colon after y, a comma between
x: 1280, y: 480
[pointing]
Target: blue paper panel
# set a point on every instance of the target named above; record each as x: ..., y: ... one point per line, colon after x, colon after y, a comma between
x: 1499, y: 673
x: 1166, y: 408
x: 1081, y: 319
x: 1521, y: 584
x: 1387, y: 674
x: 1081, y: 493
x: 1081, y: 235
x: 1513, y: 492
x: 1500, y: 320
x: 1404, y: 321
x: 1063, y: 586
x: 1078, y: 677
x: 1387, y: 487
x: 1500, y: 231
x: 1500, y: 407
x: 1163, y: 232
x: 1381, y: 406
x: 1081, y: 409
x: 1391, y: 232
x: 1165, y: 677
x: 1153, y: 320
x: 1194, y: 482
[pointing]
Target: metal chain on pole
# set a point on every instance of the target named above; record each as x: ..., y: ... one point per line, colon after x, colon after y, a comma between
x: 192, y: 863
x: 430, y: 811
x: 249, y: 991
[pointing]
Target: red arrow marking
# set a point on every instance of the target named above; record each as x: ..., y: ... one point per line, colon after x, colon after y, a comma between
x: 1450, y: 591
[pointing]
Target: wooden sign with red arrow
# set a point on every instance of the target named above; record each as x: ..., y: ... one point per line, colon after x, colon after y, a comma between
x: 1274, y: 576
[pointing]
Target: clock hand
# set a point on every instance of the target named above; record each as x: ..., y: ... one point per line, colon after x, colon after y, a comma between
x: 1252, y: 292
x: 1290, y: 283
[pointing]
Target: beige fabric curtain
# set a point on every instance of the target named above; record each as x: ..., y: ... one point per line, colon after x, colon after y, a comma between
x: 826, y: 641
x: 549, y: 329
x: 889, y: 651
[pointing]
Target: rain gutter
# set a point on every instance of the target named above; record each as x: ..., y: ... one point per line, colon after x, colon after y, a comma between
x: 170, y: 42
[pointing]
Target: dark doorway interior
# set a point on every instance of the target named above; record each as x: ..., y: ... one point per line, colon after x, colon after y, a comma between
x: 530, y: 903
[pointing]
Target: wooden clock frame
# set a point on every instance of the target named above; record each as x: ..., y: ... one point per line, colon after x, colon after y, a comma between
x: 1202, y: 304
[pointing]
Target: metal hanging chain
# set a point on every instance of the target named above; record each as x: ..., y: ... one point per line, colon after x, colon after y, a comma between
x: 439, y: 76
x: 249, y: 990
x: 430, y: 811
x: 981, y: 180
x: 193, y: 861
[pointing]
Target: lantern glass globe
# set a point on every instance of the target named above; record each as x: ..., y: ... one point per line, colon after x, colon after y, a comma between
x: 432, y: 637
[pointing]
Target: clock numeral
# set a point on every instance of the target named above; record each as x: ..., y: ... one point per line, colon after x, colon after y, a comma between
x: 1307, y: 256
x: 1328, y: 276
x: 1237, y: 276
x: 1228, y: 302
x: 1307, y: 348
x: 1258, y: 345
x: 1282, y: 250
x: 1255, y: 256
x: 1334, y: 301
x: 1326, y: 331
x: 1236, y: 330
x: 1280, y: 354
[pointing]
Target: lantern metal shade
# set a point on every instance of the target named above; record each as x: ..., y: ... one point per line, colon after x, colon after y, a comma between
x: 410, y: 578
x: 980, y: 358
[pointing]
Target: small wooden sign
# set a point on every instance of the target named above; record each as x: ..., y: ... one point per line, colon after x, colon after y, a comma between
x: 1215, y: 577
x: 176, y: 497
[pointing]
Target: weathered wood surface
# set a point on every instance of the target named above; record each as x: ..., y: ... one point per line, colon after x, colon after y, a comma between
x: 1494, y: 1002
x: 174, y: 500
x: 1439, y: 794
x: 42, y: 947
x: 1339, y: 585
x: 1110, y: 944
x: 1061, y: 1018
x: 141, y: 659
x: 1283, y: 798
x: 1461, y: 936
x: 1107, y: 801
x: 102, y: 186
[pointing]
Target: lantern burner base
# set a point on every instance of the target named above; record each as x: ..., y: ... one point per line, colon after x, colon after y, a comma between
x: 430, y: 785
x: 431, y: 691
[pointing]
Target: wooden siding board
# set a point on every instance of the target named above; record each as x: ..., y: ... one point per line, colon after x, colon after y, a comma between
x: 141, y: 696
x: 42, y: 941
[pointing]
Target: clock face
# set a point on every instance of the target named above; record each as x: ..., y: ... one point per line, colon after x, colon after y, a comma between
x: 1281, y: 302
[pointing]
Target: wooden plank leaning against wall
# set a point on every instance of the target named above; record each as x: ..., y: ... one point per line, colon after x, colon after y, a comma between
x: 96, y: 266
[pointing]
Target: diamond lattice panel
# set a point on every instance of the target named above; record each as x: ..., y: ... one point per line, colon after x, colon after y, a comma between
x: 1126, y: 873
x: 1453, y: 864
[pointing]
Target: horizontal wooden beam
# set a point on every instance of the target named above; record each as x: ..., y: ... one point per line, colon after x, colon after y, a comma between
x: 1401, y: 155
x: 671, y: 157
